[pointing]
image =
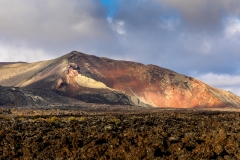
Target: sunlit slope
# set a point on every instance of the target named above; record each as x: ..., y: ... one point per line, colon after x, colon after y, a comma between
x: 27, y: 74
x: 77, y: 74
x: 151, y: 84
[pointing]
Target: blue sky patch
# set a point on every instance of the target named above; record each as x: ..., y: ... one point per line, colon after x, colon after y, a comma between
x: 111, y: 5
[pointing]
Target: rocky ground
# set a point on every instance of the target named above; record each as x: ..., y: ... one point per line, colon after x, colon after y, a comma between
x: 41, y: 97
x: 136, y: 134
x: 80, y: 106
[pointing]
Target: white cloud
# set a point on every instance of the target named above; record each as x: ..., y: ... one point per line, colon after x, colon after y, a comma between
x: 220, y: 79
x: 15, y: 53
x: 51, y: 21
x: 232, y: 27
x: 223, y: 81
x: 117, y: 25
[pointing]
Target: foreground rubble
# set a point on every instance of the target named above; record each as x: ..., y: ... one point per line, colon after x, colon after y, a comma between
x: 162, y: 134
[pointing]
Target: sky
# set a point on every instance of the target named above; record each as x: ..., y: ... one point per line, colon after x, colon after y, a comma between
x: 198, y: 38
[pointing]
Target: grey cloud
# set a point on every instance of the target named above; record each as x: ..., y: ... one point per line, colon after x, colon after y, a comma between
x: 197, y: 43
x: 203, y: 54
x: 187, y: 36
x: 50, y: 23
x: 203, y: 14
x: 144, y: 15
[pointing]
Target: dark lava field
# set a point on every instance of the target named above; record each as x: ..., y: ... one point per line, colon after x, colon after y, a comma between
x: 159, y: 134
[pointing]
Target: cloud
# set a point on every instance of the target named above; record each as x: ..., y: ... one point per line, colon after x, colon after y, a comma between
x: 221, y: 80
x: 145, y: 14
x: 52, y: 24
x: 12, y: 53
x: 232, y: 28
x: 186, y: 36
x: 203, y: 14
x: 224, y: 81
x: 117, y: 26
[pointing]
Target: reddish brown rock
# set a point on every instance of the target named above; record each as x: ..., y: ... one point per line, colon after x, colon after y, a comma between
x: 151, y: 84
x: 159, y: 87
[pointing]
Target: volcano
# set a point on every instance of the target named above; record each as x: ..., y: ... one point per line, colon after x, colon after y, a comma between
x: 102, y: 80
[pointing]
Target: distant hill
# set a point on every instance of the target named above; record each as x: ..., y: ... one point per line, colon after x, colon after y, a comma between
x: 102, y: 80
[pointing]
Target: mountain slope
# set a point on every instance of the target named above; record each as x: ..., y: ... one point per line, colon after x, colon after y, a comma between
x: 85, y: 77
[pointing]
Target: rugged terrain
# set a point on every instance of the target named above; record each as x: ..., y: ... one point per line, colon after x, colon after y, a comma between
x: 101, y: 80
x: 20, y: 97
x: 80, y: 106
x: 162, y: 134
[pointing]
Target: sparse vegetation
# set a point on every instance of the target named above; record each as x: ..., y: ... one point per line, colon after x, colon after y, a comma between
x: 52, y: 119
x: 161, y: 135
x: 74, y: 118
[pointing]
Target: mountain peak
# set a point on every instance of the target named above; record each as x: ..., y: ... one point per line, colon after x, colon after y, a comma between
x: 98, y: 79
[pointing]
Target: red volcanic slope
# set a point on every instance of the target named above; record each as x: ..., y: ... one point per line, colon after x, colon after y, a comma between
x: 153, y: 85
